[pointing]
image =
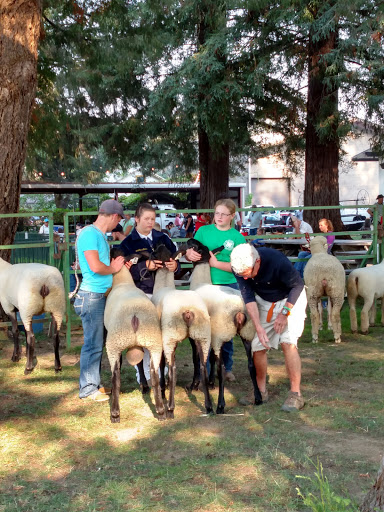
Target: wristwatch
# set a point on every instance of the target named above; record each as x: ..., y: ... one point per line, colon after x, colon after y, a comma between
x: 285, y: 312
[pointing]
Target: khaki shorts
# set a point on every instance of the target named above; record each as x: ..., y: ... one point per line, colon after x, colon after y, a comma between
x: 294, y: 328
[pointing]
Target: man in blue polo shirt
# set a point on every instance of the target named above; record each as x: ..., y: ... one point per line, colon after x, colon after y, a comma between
x: 274, y: 295
x: 97, y: 270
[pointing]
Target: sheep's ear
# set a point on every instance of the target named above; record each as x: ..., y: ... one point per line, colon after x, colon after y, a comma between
x: 115, y: 252
x: 178, y: 254
x: 218, y: 249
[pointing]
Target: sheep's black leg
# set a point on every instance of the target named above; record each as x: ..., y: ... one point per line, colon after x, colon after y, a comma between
x: 30, y: 350
x: 204, y: 373
x: 116, y: 383
x: 162, y: 375
x: 143, y: 380
x: 212, y: 362
x: 171, y: 385
x: 56, y: 345
x: 196, y: 367
x: 157, y: 393
x: 252, y: 371
x: 15, y: 333
x: 220, y: 374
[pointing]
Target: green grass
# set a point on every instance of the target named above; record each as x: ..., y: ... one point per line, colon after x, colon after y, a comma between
x: 60, y: 453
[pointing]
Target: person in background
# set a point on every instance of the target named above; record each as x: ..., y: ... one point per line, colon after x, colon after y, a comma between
x: 144, y: 237
x: 44, y: 230
x: 255, y: 220
x: 200, y: 221
x: 237, y: 221
x: 128, y: 224
x: 78, y: 228
x: 97, y: 269
x: 299, y: 226
x: 275, y: 298
x: 174, y: 231
x: 213, y: 236
x: 379, y: 205
x: 178, y: 221
x: 188, y: 225
x: 117, y: 233
x: 325, y: 226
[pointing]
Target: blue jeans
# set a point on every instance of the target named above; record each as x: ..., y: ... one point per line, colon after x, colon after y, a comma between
x: 252, y: 231
x: 300, y: 265
x: 90, y: 307
x: 227, y: 347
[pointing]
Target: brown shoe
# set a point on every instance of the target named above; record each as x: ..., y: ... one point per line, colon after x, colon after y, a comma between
x: 105, y: 391
x: 293, y: 403
x: 230, y: 377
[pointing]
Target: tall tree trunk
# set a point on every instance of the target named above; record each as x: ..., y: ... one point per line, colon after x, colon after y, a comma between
x: 214, y: 171
x: 19, y: 35
x: 374, y: 500
x: 321, y: 151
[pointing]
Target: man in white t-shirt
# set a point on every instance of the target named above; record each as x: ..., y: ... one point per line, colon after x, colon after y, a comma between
x: 44, y: 230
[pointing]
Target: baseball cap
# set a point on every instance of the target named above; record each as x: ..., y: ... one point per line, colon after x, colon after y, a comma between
x: 47, y: 220
x: 379, y: 196
x: 111, y: 206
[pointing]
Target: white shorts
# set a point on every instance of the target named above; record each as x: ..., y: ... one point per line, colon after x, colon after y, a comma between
x: 294, y: 328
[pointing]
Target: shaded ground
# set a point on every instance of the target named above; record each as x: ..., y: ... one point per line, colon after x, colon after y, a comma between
x: 60, y: 453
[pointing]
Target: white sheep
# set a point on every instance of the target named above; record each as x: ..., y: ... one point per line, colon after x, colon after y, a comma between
x: 228, y: 318
x: 132, y: 323
x: 32, y: 289
x: 324, y: 275
x: 367, y: 283
x: 182, y: 314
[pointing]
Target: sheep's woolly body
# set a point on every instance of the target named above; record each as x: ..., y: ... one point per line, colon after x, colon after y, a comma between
x: 20, y: 287
x: 173, y: 307
x: 132, y: 322
x: 367, y: 283
x: 224, y: 306
x: 324, y: 275
x: 128, y: 308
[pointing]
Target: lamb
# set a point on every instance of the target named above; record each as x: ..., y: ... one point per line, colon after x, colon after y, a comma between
x: 32, y: 289
x: 324, y: 275
x: 182, y: 314
x: 228, y: 318
x: 368, y: 283
x: 132, y: 322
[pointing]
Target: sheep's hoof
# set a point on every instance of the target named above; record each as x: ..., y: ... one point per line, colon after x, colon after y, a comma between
x: 162, y: 416
x: 209, y: 410
x: 364, y: 333
x: 57, y: 370
x: 15, y: 358
x: 220, y: 409
x: 115, y: 419
x: 315, y: 341
x: 354, y: 332
x: 145, y: 389
x: 170, y: 415
x: 211, y: 385
x: 338, y: 340
x: 27, y: 371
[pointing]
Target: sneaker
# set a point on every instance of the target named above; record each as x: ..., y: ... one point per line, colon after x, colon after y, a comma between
x: 293, y: 403
x: 264, y: 396
x: 97, y: 397
x: 230, y: 377
x: 105, y: 391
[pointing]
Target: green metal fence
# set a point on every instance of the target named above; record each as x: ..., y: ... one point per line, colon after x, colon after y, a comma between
x: 32, y: 247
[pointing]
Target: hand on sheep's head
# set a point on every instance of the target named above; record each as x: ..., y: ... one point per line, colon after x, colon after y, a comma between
x: 117, y: 264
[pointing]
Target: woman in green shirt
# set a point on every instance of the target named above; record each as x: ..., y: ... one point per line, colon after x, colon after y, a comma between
x: 221, y: 233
